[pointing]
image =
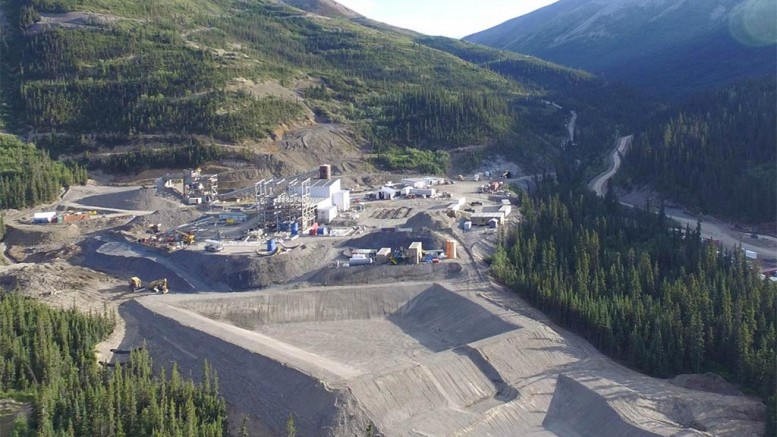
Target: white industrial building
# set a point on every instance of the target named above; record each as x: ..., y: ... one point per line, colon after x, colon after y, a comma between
x: 423, y: 182
x: 342, y: 200
x: 326, y: 214
x: 325, y: 188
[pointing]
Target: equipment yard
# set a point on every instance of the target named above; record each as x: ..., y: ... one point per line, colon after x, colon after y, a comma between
x: 345, y: 310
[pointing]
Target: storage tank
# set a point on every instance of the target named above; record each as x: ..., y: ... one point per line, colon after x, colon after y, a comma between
x: 325, y: 171
x: 359, y: 261
x: 295, y: 228
x: 450, y: 249
x: 271, y: 245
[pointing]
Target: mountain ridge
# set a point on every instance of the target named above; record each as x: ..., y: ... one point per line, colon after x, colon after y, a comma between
x: 671, y: 48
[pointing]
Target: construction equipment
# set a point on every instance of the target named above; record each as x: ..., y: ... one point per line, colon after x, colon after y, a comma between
x: 159, y: 286
x: 186, y: 237
x: 135, y: 284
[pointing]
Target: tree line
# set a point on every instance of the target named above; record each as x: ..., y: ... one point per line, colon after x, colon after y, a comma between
x: 651, y: 295
x: 47, y: 358
x: 142, y: 159
x: 716, y: 153
x: 29, y: 177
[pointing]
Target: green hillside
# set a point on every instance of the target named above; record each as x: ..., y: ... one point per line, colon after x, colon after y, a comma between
x: 171, y: 73
x: 603, y: 108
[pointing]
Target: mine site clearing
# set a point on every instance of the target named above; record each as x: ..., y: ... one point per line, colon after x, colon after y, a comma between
x: 370, y: 306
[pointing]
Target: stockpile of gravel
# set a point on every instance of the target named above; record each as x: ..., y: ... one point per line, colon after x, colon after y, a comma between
x: 141, y: 199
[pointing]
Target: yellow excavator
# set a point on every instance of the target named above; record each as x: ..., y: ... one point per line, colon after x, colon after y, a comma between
x: 158, y: 286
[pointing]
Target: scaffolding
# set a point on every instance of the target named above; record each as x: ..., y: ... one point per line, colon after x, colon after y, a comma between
x: 281, y: 201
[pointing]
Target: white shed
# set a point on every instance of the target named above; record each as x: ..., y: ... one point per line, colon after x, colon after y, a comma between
x: 388, y: 193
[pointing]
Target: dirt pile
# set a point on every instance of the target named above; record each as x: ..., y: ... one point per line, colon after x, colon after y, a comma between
x: 134, y: 198
x: 424, y: 221
x: 709, y: 382
x: 380, y: 274
x: 47, y: 279
x: 168, y: 218
x: 34, y: 235
x: 241, y: 272
x: 430, y: 229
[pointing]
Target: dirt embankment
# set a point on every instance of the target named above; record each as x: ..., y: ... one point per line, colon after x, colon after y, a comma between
x: 709, y: 382
x: 379, y: 274
x: 253, y: 390
x: 242, y: 272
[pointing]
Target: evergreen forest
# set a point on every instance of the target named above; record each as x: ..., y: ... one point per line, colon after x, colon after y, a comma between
x: 47, y: 359
x: 181, y: 71
x: 715, y: 153
x: 653, y: 296
x: 29, y: 177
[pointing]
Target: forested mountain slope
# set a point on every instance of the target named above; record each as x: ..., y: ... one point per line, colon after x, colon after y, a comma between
x: 716, y: 152
x: 47, y: 360
x: 107, y: 76
x: 658, y: 299
x: 667, y: 47
x: 604, y: 108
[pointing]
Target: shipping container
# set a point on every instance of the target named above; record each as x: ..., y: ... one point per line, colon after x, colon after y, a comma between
x: 70, y: 218
x: 44, y: 217
x: 383, y: 255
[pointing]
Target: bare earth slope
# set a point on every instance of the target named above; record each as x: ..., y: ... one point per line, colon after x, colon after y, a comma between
x: 420, y: 359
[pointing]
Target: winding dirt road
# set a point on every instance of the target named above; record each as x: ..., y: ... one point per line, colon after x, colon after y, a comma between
x: 599, y: 183
x: 711, y: 228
